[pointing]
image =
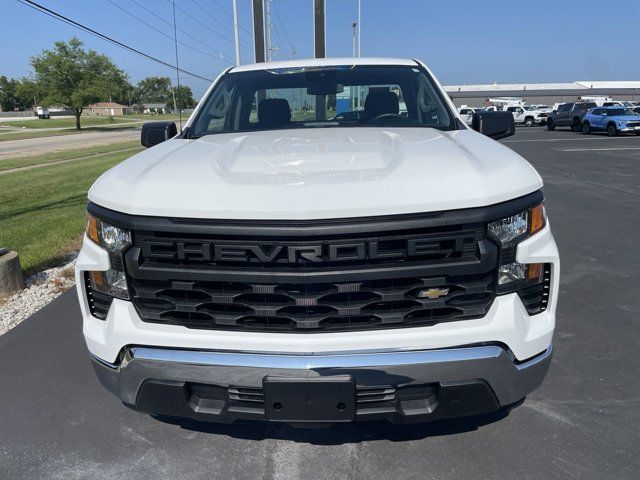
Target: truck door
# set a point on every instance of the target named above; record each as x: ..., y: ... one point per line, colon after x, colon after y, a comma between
x: 518, y: 114
x: 564, y: 115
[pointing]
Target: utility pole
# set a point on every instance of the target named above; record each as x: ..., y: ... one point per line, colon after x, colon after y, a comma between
x: 258, y: 30
x: 235, y: 31
x: 319, y: 29
x: 320, y: 50
x: 267, y: 14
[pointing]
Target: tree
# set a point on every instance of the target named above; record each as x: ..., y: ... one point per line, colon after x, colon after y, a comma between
x: 68, y: 75
x: 184, y: 98
x: 154, y: 90
x: 16, y: 94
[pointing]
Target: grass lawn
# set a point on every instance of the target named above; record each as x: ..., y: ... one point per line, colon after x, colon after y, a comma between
x: 22, y: 135
x: 36, y: 133
x: 9, y: 163
x: 64, y: 122
x: 42, y: 211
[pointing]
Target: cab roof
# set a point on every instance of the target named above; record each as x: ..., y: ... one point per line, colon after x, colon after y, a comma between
x: 323, y: 62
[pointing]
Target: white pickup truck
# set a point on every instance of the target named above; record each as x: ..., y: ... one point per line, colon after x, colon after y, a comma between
x: 467, y: 113
x: 274, y: 262
x: 528, y: 115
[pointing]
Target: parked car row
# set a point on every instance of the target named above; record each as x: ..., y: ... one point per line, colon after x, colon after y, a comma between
x: 588, y: 117
x: 523, y: 114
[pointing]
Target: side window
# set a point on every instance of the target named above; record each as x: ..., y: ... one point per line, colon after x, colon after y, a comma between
x: 431, y: 110
x: 511, y: 109
x: 216, y: 110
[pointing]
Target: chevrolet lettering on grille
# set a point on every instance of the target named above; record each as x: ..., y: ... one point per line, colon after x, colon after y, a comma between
x: 209, y: 251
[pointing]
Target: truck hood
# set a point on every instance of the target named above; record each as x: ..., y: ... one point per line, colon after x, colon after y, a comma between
x: 316, y: 173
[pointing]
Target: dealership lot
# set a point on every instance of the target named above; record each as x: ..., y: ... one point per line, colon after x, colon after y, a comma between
x: 584, y: 422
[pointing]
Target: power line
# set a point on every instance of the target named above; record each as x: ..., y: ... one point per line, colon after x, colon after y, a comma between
x: 222, y: 25
x: 224, y: 9
x: 204, y: 24
x: 39, y: 8
x: 187, y: 34
x: 284, y: 30
x: 280, y: 44
x: 160, y: 31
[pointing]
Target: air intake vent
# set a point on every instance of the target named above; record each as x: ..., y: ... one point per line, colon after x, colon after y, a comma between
x: 536, y: 297
x: 99, y: 303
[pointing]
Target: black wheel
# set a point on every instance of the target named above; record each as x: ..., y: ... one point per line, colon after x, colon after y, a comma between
x: 586, y: 128
x: 550, y: 126
x: 611, y: 130
x: 576, y: 125
x: 529, y: 122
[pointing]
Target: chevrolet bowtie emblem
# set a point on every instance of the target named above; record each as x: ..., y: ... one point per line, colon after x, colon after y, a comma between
x: 433, y: 293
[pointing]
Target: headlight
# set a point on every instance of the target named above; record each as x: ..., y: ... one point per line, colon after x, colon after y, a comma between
x: 530, y: 281
x: 517, y: 227
x: 109, y: 237
x: 115, y: 240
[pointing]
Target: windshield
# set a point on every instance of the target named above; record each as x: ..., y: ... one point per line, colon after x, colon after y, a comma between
x: 619, y: 112
x: 320, y: 97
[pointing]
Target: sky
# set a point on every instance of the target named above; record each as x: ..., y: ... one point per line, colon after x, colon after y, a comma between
x: 462, y: 41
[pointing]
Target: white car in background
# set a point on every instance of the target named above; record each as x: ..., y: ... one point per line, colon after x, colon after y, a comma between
x: 528, y: 115
x: 466, y: 113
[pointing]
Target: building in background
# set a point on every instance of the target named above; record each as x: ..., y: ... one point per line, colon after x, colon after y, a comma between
x: 109, y: 109
x: 543, y: 93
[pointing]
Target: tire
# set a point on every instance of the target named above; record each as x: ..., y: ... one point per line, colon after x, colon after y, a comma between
x: 586, y: 128
x: 612, y: 131
x: 529, y: 122
x: 550, y: 126
x: 576, y: 125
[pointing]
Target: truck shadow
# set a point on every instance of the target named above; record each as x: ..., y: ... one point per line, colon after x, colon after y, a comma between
x: 340, y: 434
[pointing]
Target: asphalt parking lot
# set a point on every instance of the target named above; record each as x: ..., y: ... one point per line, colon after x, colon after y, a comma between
x: 57, y: 422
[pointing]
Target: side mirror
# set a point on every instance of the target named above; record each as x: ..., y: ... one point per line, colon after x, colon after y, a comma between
x: 154, y: 133
x: 496, y: 125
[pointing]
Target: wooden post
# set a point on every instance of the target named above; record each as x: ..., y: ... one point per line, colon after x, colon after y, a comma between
x: 258, y: 30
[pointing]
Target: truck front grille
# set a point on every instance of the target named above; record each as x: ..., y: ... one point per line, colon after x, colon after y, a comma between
x: 311, y: 278
x: 313, y: 307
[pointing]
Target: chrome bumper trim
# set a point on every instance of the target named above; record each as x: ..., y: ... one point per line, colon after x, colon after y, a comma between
x: 310, y: 362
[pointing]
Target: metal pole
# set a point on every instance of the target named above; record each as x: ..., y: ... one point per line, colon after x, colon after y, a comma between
x: 235, y: 31
x: 267, y: 14
x: 355, y: 25
x: 359, y: 25
x: 175, y: 38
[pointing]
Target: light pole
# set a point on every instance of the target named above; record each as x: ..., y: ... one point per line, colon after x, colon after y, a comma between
x: 359, y: 25
x: 235, y: 31
x: 354, y: 26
